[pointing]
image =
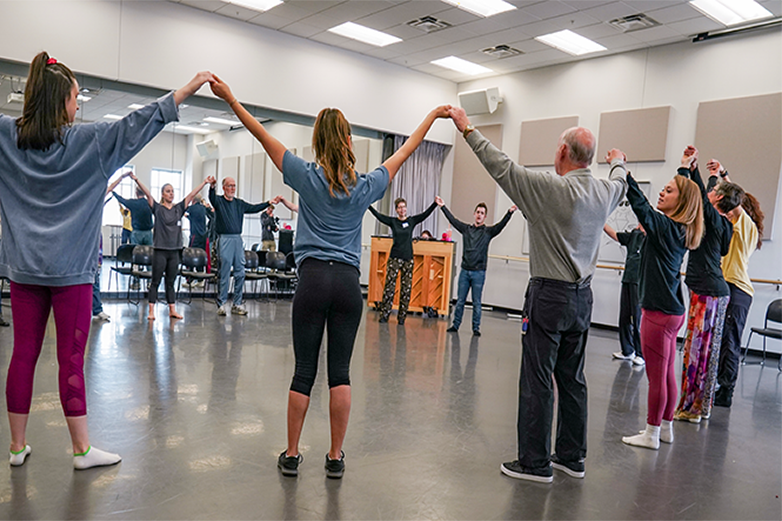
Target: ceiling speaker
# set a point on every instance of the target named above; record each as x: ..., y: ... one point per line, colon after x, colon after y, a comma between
x: 206, y: 148
x: 483, y: 101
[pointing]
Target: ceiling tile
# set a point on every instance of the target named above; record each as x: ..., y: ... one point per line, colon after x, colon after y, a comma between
x: 548, y: 9
x: 695, y: 26
x: 613, y: 10
x: 298, y: 9
x: 675, y: 14
x: 400, y: 14
x: 302, y: 29
x: 205, y: 5
x: 656, y: 34
x: 238, y: 12
x: 775, y: 6
x: 348, y: 11
x: 454, y: 15
x: 270, y: 20
x: 600, y: 30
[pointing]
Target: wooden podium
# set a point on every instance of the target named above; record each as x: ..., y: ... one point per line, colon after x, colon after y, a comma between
x: 431, y: 275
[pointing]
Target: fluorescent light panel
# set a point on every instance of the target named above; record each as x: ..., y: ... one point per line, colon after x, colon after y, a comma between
x: 135, y: 106
x: 83, y: 98
x: 731, y: 12
x: 459, y: 65
x: 364, y: 34
x: 484, y: 8
x: 111, y: 116
x: 195, y: 130
x: 257, y: 5
x: 570, y: 42
x: 221, y: 121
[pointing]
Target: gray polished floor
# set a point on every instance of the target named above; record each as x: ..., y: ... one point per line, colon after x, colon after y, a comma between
x: 197, y: 410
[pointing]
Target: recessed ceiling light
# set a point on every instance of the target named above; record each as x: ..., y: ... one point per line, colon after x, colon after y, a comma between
x: 459, y: 65
x: 731, y: 12
x: 570, y: 42
x: 195, y: 130
x: 112, y: 116
x: 485, y: 8
x: 135, y: 106
x: 257, y: 5
x: 364, y: 34
x: 221, y: 121
x: 83, y: 98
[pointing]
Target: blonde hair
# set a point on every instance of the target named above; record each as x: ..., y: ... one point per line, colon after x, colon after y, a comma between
x: 689, y: 211
x: 331, y: 144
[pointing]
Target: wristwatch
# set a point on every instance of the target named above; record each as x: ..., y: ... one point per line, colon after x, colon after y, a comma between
x: 467, y: 130
x: 724, y: 174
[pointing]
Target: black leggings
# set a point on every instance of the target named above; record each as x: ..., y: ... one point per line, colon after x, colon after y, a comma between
x: 328, y: 294
x: 164, y: 261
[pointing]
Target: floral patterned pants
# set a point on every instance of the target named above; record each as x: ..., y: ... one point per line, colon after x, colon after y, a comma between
x: 393, y: 267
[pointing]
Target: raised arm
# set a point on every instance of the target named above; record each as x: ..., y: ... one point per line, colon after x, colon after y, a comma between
x: 150, y: 199
x: 191, y: 195
x: 497, y: 228
x: 394, y: 162
x: 289, y: 205
x: 193, y: 86
x: 380, y: 217
x: 456, y: 223
x: 117, y: 181
x: 272, y: 145
x: 421, y: 217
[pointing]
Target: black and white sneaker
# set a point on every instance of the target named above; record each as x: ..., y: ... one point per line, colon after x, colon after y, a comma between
x: 574, y: 469
x: 289, y: 465
x: 514, y: 469
x: 335, y: 468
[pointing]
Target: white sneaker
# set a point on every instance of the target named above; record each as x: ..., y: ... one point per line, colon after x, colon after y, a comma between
x: 102, y: 316
x: 222, y: 310
x: 619, y: 356
x: 239, y: 310
x: 637, y: 360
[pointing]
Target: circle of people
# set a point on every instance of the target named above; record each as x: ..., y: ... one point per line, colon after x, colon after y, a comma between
x: 48, y: 162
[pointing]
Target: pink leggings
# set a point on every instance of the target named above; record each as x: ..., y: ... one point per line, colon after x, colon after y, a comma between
x: 30, y: 306
x: 658, y: 341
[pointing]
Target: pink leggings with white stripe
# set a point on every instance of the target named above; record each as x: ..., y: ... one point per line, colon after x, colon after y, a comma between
x: 30, y: 306
x: 658, y: 341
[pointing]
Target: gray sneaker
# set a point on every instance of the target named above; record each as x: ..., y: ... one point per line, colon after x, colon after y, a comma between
x: 238, y: 310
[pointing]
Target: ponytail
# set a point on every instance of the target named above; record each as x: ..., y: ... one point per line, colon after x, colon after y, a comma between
x: 44, y: 117
x: 752, y: 207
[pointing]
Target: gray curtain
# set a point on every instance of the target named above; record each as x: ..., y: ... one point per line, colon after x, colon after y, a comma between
x: 418, y: 181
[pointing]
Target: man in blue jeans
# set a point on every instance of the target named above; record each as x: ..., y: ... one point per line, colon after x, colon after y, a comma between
x: 475, y: 255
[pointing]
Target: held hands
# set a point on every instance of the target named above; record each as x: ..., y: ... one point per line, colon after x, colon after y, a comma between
x: 276, y: 200
x: 438, y: 200
x: 221, y: 90
x: 459, y: 117
x: 513, y: 209
x: 614, y: 154
x: 212, y: 180
x: 714, y: 167
x: 443, y: 111
x: 690, y: 157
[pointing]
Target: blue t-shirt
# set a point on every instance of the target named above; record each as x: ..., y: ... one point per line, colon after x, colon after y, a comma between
x: 329, y: 228
x: 140, y: 212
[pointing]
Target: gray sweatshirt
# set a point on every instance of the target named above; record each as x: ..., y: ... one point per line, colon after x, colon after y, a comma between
x: 51, y: 201
x: 565, y: 214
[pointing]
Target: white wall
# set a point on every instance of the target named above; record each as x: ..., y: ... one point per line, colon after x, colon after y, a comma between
x: 680, y: 75
x: 163, y: 44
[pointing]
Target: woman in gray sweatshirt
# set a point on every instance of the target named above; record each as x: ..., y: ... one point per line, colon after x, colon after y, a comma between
x: 53, y: 179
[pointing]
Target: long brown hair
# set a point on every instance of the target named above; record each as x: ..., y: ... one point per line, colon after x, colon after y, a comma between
x: 689, y: 211
x: 752, y: 207
x: 331, y: 144
x: 44, y: 116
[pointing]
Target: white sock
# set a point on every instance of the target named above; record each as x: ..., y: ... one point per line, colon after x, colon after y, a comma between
x: 94, y: 457
x: 666, y: 432
x: 648, y: 439
x: 18, y: 458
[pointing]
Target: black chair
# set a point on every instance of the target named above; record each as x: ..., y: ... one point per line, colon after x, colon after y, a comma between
x: 773, y: 314
x: 252, y: 269
x: 285, y: 242
x: 142, y: 258
x: 122, y: 265
x: 193, y: 267
x: 255, y: 247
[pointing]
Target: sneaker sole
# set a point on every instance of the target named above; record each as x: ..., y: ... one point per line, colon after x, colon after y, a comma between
x: 570, y: 472
x: 335, y: 475
x: 288, y: 472
x: 527, y: 477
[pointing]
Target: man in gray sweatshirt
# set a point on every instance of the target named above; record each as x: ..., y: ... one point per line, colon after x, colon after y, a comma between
x: 565, y: 215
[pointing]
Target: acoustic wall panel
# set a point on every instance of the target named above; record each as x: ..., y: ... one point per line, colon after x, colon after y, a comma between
x: 539, y: 139
x: 745, y: 135
x: 641, y: 134
x: 471, y: 183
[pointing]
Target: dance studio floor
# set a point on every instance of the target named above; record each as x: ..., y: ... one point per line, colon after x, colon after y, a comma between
x: 197, y: 409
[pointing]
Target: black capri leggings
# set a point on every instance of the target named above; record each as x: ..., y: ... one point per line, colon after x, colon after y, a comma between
x: 164, y: 261
x: 328, y: 295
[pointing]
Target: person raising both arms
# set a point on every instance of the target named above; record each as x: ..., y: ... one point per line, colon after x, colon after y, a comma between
x: 167, y: 241
x: 332, y: 201
x: 48, y: 163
